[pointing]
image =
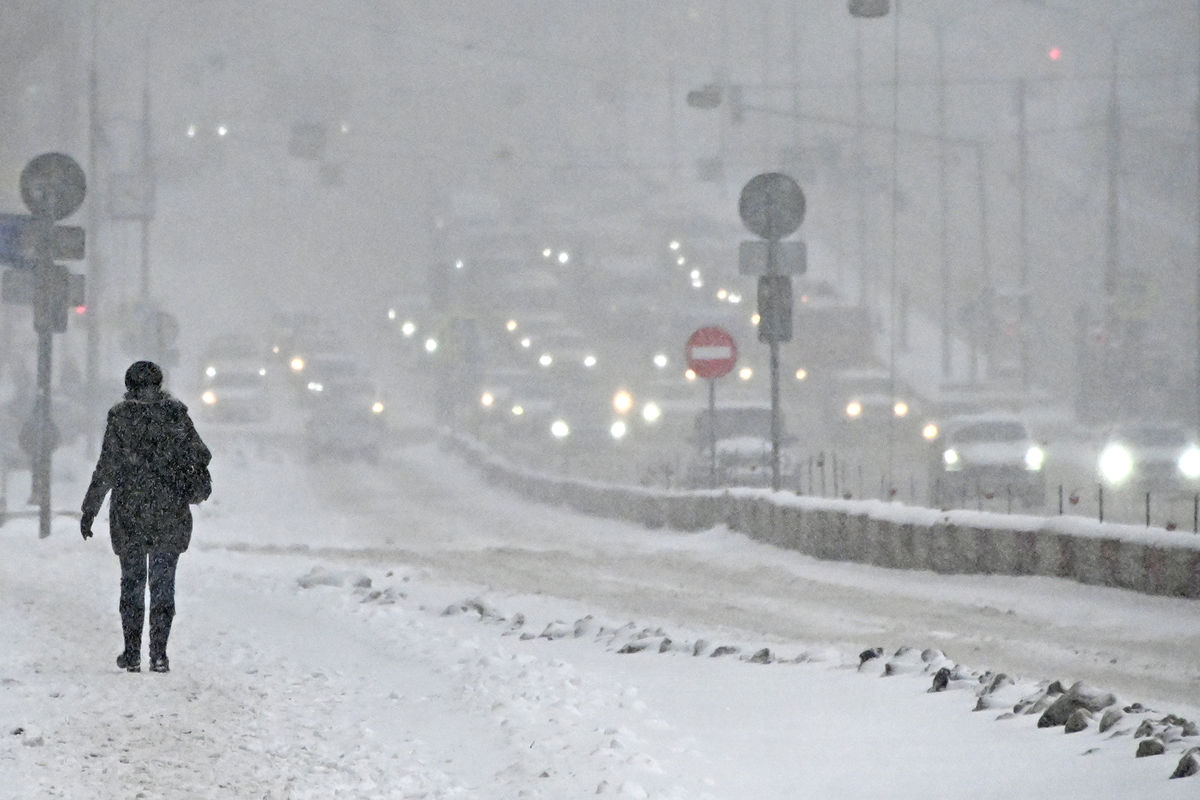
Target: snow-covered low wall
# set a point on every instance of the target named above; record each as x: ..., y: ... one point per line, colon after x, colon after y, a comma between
x: 1148, y: 560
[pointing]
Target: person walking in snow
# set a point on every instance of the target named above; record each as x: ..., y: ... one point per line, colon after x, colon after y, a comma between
x: 156, y: 464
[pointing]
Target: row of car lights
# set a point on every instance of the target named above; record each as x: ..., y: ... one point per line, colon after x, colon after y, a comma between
x: 952, y: 460
x: 622, y: 403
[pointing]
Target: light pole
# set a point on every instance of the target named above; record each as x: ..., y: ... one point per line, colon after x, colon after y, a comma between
x: 870, y: 9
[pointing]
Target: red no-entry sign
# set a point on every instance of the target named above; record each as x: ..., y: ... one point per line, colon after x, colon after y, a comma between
x: 711, y: 352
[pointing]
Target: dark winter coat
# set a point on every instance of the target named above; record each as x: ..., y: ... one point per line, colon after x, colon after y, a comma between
x: 149, y: 441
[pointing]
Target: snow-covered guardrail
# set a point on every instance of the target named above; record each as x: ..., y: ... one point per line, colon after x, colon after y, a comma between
x: 1148, y: 560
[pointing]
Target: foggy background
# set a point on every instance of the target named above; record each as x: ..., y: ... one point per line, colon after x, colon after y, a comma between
x: 955, y: 156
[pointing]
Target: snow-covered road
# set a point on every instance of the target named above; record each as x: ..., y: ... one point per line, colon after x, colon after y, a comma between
x: 1136, y: 644
x: 293, y: 678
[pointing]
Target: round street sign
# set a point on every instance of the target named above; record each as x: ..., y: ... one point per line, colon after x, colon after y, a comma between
x: 53, y: 185
x: 711, y: 352
x: 771, y: 205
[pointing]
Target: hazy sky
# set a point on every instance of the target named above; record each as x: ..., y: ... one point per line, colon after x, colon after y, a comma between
x: 576, y: 109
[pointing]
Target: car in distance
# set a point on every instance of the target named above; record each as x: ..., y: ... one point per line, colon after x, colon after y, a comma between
x: 736, y: 441
x: 346, y: 420
x: 985, y: 456
x: 1150, y: 456
x: 233, y: 383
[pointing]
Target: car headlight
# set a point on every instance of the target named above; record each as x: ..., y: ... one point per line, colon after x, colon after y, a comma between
x: 559, y: 429
x: 297, y: 364
x: 854, y: 409
x: 900, y: 408
x: 1189, y: 463
x: 622, y: 402
x: 930, y: 431
x: 209, y: 397
x: 1034, y: 458
x: 316, y: 386
x: 487, y: 399
x: 618, y: 430
x: 210, y: 371
x: 377, y: 407
x: 951, y: 460
x: 651, y: 412
x: 1116, y: 463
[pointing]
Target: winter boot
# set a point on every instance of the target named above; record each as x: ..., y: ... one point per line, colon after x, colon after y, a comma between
x: 130, y: 662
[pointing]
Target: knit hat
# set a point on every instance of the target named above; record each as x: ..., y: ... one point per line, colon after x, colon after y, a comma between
x: 142, y: 374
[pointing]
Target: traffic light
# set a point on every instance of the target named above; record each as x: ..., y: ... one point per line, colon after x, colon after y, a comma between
x: 775, y: 308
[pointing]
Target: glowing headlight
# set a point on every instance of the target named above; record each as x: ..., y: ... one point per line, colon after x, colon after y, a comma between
x: 408, y: 328
x: 297, y: 364
x: 854, y: 409
x: 559, y: 429
x: 622, y: 402
x: 545, y: 359
x: 209, y: 397
x: 1034, y: 458
x: 950, y: 459
x: 377, y: 407
x: 210, y: 371
x: 900, y: 409
x: 262, y: 372
x: 1116, y: 463
x: 487, y: 399
x: 314, y: 386
x: 651, y: 412
x: 1189, y: 463
x: 517, y: 410
x: 589, y: 361
x: 431, y: 345
x: 661, y: 360
x: 801, y: 374
x: 745, y: 373
x: 618, y: 430
x: 930, y: 431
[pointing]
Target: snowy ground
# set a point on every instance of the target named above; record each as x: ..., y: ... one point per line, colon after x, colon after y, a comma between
x: 410, y: 632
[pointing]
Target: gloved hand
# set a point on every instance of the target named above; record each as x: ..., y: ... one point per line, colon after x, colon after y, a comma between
x: 85, y: 526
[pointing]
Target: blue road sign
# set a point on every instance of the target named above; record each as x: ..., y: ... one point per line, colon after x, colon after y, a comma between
x: 14, y: 238
x: 24, y: 239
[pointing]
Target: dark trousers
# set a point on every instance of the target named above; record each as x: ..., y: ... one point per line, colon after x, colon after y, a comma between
x: 135, y: 566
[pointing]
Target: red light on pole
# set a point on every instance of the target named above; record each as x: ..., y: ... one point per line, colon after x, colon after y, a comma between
x: 1055, y: 53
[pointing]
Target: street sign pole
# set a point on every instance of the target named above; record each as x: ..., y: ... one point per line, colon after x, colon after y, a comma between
x: 52, y: 187
x: 772, y: 248
x: 772, y: 206
x: 712, y: 433
x: 711, y: 354
x: 42, y: 439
